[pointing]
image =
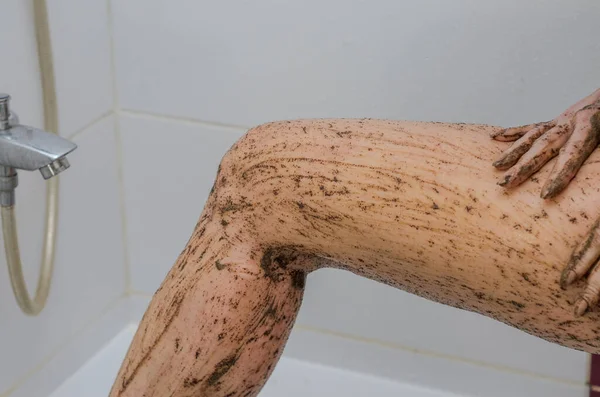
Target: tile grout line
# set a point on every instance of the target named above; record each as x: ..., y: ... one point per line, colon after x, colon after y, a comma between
x: 394, y: 346
x: 75, y: 335
x: 429, y: 353
x: 91, y: 124
x: 187, y: 120
x: 120, y: 153
x: 122, y: 207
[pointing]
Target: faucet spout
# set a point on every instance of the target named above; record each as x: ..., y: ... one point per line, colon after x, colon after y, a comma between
x: 28, y: 148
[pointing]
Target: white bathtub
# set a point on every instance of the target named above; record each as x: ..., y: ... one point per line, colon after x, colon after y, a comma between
x: 291, y: 378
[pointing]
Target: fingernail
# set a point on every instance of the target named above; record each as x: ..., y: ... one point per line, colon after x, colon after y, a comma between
x: 505, y: 181
x: 550, y: 193
x: 496, y: 133
x: 567, y: 278
x: 581, y: 307
x: 545, y: 194
x: 550, y: 189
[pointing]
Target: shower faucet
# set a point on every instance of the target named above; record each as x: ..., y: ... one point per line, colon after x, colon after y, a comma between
x: 27, y: 148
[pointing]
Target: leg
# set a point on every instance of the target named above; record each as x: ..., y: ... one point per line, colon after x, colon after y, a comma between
x: 413, y: 205
x: 216, y: 327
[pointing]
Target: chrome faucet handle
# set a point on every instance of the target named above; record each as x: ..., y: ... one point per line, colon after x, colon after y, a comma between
x: 13, y: 117
x: 4, y: 111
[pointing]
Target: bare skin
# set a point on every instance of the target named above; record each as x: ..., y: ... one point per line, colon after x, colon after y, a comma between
x: 572, y: 137
x: 413, y: 205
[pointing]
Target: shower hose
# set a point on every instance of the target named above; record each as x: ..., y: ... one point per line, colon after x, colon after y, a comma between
x: 9, y: 225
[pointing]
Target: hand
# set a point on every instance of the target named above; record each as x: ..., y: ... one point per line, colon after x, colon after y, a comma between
x: 584, y: 258
x: 572, y: 136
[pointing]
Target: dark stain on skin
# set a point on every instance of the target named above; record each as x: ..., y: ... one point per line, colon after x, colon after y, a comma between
x: 190, y: 382
x: 343, y: 134
x: 298, y: 279
x: 230, y: 206
x: 565, y: 323
x: 518, y: 305
x: 543, y: 214
x: 219, y: 265
x: 527, y: 278
x: 584, y: 215
x: 271, y: 313
x: 266, y: 263
x: 275, y: 259
x: 221, y: 369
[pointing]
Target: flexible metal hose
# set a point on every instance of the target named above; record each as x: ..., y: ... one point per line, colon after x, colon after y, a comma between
x: 9, y: 225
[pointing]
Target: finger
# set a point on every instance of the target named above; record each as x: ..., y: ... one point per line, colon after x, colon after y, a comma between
x: 542, y: 151
x: 578, y: 148
x: 590, y: 296
x: 513, y: 133
x: 520, y: 147
x: 584, y: 256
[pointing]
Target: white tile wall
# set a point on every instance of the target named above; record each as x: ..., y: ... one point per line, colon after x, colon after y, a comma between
x: 342, y: 302
x: 80, y: 348
x: 247, y: 62
x: 242, y: 63
x: 417, y: 368
x: 20, y: 71
x: 82, y: 59
x: 169, y: 169
x: 89, y: 269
